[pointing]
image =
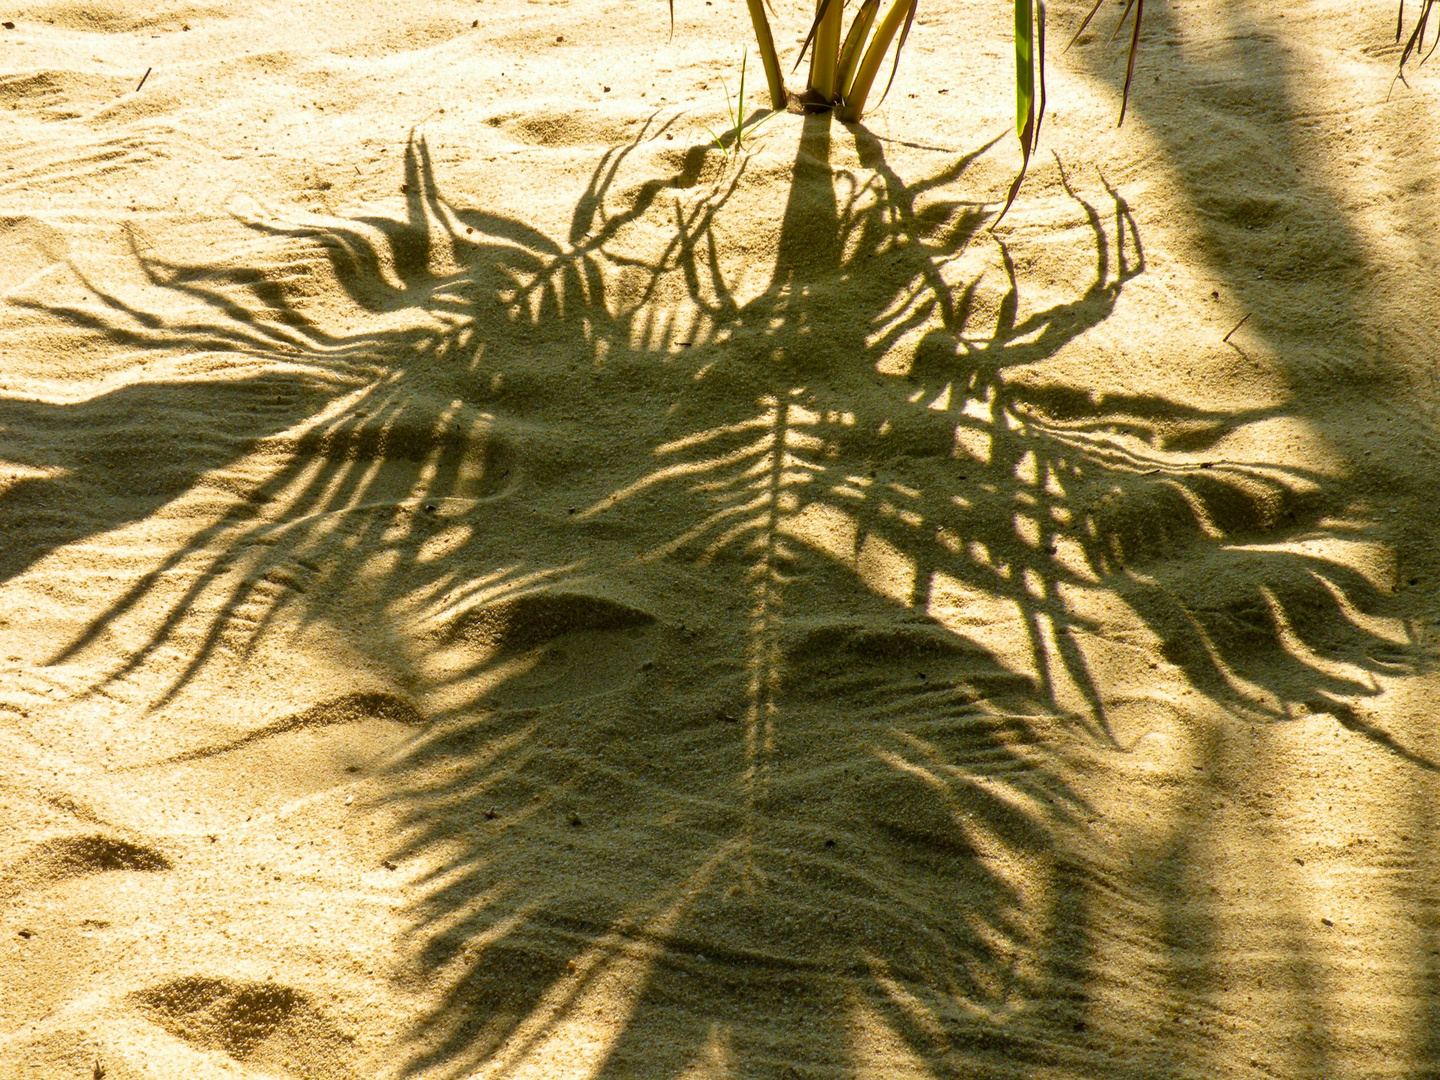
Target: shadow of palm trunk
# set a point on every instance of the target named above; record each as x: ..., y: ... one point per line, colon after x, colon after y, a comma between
x: 1246, y: 121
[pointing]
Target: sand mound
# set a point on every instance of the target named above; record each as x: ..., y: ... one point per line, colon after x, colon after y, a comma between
x: 384, y: 709
x: 74, y: 856
x: 257, y: 1023
x: 534, y: 620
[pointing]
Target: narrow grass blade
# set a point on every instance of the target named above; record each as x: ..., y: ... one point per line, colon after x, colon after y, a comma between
x: 739, y: 104
x: 1040, y: 66
x: 1029, y: 106
x: 1130, y: 64
x: 1120, y: 23
x: 719, y: 142
x: 900, y: 47
x: 1138, y: 7
x: 1024, y: 69
x: 1086, y: 23
x: 821, y: 10
x: 735, y: 111
x: 1416, y: 44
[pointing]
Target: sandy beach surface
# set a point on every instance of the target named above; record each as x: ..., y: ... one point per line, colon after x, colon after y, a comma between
x: 494, y: 585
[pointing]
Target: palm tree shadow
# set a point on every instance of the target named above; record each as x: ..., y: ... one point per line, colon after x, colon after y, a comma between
x: 727, y: 763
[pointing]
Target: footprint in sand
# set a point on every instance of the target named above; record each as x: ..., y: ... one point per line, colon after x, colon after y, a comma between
x: 322, y: 747
x: 556, y: 647
x: 74, y: 856
x: 264, y: 1024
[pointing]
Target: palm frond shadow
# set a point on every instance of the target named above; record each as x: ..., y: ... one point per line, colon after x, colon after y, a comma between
x: 73, y: 489
x: 764, y: 741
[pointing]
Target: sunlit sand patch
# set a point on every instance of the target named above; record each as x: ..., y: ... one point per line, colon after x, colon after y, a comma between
x: 878, y: 1050
x: 994, y: 622
x: 715, y: 1059
x: 13, y: 473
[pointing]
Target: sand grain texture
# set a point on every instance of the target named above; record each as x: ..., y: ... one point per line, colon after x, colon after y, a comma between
x: 492, y: 586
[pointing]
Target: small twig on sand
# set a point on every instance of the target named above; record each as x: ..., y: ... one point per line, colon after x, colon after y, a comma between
x: 1237, y: 326
x: 143, y: 78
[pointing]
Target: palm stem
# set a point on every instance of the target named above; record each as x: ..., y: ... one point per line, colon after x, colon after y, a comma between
x: 854, y: 46
x: 765, y: 41
x: 827, y: 50
x: 870, y: 65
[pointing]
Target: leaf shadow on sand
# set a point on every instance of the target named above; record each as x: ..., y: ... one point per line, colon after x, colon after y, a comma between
x: 752, y: 747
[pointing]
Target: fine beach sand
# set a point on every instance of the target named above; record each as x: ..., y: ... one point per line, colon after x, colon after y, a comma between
x: 493, y: 586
